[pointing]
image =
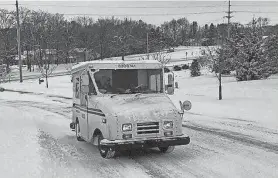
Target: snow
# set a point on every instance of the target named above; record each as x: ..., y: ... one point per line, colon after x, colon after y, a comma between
x: 239, y: 137
x: 60, y: 86
x: 16, y: 156
x: 245, y: 105
x: 178, y: 57
x: 104, y: 64
x: 114, y: 62
x: 130, y: 107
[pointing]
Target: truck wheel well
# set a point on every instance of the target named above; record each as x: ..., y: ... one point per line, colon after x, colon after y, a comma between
x: 96, y: 132
x: 94, y: 139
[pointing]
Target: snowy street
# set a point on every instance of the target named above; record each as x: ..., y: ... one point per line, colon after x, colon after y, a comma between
x: 36, y: 140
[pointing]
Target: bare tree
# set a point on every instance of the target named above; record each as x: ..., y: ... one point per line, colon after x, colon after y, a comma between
x: 46, y: 66
x: 3, y: 73
x: 216, y: 56
x: 7, y: 40
x: 161, y: 56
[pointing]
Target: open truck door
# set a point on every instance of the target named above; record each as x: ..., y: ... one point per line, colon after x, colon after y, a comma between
x: 83, y: 120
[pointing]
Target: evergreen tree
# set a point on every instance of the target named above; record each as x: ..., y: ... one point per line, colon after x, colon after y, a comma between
x: 271, y: 49
x: 212, y: 34
x: 249, y: 55
x: 195, y: 68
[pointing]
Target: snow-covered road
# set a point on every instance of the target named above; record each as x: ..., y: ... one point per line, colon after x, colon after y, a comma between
x: 36, y: 142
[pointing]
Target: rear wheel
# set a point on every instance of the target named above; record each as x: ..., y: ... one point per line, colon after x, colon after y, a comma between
x: 167, y: 149
x: 105, y: 152
x: 78, y: 132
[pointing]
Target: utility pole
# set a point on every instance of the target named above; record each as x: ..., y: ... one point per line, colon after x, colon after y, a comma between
x: 221, y: 52
x: 148, y: 46
x: 18, y: 44
x: 220, y: 68
x: 229, y: 17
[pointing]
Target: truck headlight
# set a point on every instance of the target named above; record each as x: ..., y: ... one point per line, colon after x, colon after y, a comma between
x: 127, y: 127
x: 168, y: 124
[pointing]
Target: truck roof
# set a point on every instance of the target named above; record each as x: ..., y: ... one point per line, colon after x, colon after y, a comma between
x: 117, y: 64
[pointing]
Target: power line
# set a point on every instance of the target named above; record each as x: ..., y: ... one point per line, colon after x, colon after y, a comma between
x: 268, y: 12
x: 151, y: 7
x: 255, y: 5
x: 122, y: 7
x: 165, y: 14
x: 7, y: 4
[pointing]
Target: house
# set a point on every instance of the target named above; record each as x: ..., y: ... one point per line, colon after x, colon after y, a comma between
x: 83, y: 54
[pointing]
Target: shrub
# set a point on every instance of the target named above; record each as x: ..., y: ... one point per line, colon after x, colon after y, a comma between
x: 166, y: 70
x: 195, y: 68
x: 177, y: 68
x: 185, y: 66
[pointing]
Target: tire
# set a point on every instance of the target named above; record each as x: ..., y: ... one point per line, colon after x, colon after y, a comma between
x: 77, y: 132
x: 167, y: 149
x: 105, y: 153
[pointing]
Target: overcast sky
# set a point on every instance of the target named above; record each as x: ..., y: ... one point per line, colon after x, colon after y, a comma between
x: 156, y: 12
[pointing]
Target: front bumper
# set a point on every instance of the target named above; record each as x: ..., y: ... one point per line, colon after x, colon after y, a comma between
x: 144, y: 143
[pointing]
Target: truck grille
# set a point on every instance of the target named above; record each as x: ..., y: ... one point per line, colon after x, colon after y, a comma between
x: 147, y: 128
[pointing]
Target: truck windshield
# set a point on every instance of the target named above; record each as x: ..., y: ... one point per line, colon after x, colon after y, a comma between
x: 129, y: 81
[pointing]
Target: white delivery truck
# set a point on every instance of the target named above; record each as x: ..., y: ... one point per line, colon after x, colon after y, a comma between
x: 123, y: 105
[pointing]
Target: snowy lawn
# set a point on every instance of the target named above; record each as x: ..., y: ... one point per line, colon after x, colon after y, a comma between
x: 178, y: 57
x: 249, y: 108
x: 58, y: 86
x: 14, y: 74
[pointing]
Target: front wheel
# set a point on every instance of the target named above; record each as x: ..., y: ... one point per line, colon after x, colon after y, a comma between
x: 105, y: 152
x: 167, y: 149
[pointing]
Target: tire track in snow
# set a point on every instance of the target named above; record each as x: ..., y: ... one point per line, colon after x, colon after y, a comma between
x: 242, y: 138
x: 227, y: 118
x: 64, y: 153
x: 151, y: 167
x: 185, y: 161
x: 63, y: 111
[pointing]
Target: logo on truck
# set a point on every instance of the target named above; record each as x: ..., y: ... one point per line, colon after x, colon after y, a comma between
x: 126, y: 66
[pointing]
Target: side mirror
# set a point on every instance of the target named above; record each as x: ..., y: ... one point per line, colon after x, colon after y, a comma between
x: 85, y: 89
x: 186, y: 105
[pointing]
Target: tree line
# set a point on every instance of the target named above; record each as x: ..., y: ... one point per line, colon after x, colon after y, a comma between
x: 104, y: 37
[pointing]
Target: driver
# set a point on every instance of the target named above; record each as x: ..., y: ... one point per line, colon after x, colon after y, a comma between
x: 104, y: 84
x: 107, y: 85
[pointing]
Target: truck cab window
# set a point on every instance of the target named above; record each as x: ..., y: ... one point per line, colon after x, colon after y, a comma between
x: 129, y: 81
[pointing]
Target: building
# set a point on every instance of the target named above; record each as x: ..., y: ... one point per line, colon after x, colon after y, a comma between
x: 83, y: 54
